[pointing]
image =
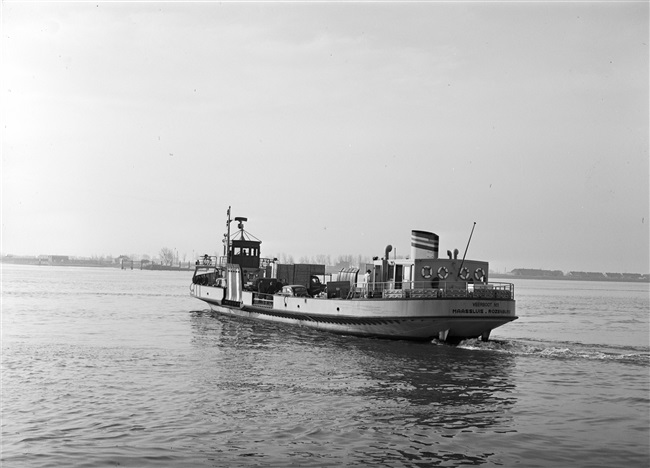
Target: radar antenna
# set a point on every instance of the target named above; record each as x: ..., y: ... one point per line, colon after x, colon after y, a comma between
x: 240, y: 222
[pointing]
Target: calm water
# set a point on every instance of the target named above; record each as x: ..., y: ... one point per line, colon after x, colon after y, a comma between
x: 104, y: 367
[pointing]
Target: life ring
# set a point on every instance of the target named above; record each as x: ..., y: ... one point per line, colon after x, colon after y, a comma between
x: 443, y: 273
x: 479, y: 274
x: 426, y: 272
x: 464, y: 274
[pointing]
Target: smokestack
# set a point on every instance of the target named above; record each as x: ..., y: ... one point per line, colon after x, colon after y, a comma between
x: 424, y: 245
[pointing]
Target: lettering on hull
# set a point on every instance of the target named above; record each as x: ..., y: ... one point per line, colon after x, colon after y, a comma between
x: 480, y: 311
x: 478, y: 308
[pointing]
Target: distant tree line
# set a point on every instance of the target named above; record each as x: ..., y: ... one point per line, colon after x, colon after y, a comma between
x: 539, y: 273
x: 167, y: 256
x: 536, y: 272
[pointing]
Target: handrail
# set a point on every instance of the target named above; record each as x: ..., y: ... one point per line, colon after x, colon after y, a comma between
x: 441, y: 285
x: 425, y: 289
x: 222, y: 261
x: 207, y: 261
x: 263, y: 300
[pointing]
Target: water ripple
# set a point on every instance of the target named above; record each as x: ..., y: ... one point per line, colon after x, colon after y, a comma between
x: 111, y: 377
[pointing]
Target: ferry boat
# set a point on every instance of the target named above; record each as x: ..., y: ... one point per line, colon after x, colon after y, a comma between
x: 422, y: 297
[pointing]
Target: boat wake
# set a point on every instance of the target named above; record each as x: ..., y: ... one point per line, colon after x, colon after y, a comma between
x: 562, y: 350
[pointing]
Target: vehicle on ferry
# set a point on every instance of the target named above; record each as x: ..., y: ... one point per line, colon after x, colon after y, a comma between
x: 422, y: 297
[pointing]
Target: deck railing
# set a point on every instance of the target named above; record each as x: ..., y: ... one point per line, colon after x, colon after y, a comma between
x: 222, y: 260
x: 424, y: 289
x: 263, y: 300
x: 416, y: 290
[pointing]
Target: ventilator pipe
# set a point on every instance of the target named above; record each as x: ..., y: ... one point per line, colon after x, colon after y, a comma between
x: 384, y: 264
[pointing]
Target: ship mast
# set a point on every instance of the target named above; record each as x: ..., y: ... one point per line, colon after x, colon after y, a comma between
x: 228, y: 238
x: 470, y: 240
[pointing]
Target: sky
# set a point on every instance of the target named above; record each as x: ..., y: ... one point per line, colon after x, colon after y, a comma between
x: 335, y: 128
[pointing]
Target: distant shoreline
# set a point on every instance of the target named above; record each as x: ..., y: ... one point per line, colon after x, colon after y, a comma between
x: 604, y: 279
x: 128, y: 265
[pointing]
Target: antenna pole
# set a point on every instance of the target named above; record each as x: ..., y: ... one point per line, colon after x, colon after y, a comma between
x: 228, y: 238
x: 468, y: 241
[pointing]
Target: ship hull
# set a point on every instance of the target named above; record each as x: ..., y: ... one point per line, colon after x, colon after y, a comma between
x: 448, y: 319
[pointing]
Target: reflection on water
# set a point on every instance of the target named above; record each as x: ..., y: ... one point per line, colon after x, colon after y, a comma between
x: 375, y: 401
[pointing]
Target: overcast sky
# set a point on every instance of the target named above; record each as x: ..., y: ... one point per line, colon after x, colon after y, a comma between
x: 336, y: 128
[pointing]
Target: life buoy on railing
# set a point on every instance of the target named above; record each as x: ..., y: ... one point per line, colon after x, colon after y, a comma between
x: 426, y: 272
x: 479, y: 274
x: 443, y: 273
x: 464, y: 274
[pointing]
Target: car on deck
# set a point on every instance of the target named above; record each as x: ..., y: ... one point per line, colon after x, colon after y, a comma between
x: 294, y: 290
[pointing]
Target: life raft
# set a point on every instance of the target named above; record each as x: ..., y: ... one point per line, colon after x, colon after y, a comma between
x: 479, y: 274
x: 464, y: 274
